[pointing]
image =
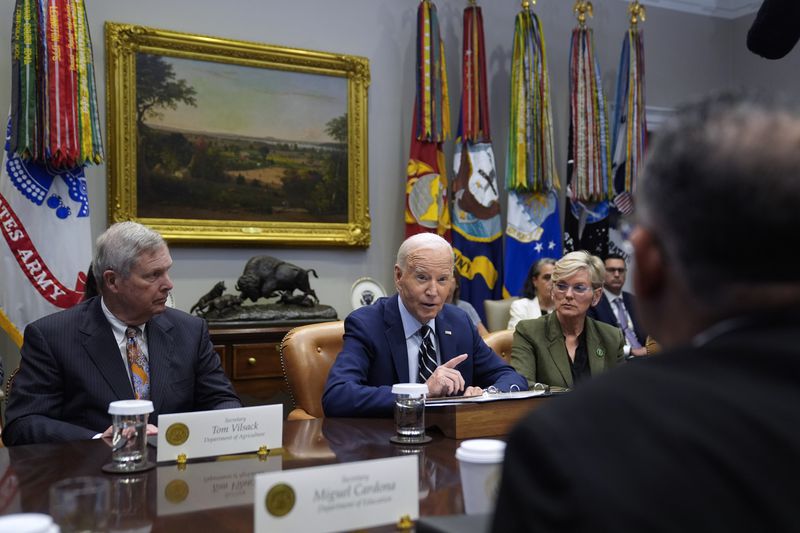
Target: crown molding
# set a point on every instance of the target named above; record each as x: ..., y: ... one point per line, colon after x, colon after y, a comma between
x: 728, y: 9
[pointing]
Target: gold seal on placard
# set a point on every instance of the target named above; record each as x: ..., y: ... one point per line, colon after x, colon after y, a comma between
x: 176, y: 491
x: 280, y: 499
x: 177, y: 433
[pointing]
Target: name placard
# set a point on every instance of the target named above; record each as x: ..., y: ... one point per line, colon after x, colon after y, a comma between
x: 211, y: 485
x: 338, y: 497
x: 220, y: 432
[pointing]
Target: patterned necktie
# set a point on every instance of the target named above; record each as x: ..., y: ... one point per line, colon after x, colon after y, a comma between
x: 623, y: 323
x: 427, y: 355
x: 140, y: 368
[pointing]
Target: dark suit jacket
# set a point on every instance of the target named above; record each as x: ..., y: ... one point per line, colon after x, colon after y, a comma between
x: 374, y: 357
x: 603, y: 312
x: 693, y: 439
x: 71, y: 369
x: 540, y: 354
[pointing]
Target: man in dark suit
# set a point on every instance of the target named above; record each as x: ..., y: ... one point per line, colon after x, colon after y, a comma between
x: 702, y: 436
x: 412, y: 337
x: 618, y: 307
x: 75, y: 362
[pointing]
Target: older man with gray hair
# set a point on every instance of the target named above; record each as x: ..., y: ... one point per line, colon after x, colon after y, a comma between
x: 124, y: 344
x: 702, y: 436
x: 413, y: 336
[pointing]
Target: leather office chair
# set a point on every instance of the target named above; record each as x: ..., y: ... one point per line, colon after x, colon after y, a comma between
x: 497, y: 313
x: 307, y: 354
x: 500, y: 342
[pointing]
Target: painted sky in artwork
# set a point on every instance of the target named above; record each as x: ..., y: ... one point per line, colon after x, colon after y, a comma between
x: 255, y: 102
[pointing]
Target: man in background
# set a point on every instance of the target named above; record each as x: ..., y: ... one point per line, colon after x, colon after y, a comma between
x: 412, y: 337
x: 702, y: 436
x: 618, y: 307
x: 124, y: 344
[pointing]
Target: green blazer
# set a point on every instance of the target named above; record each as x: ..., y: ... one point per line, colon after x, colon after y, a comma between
x: 540, y: 354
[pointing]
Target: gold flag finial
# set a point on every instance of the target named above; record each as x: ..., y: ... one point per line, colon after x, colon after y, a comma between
x: 637, y: 13
x: 526, y: 4
x: 582, y: 9
x: 472, y: 3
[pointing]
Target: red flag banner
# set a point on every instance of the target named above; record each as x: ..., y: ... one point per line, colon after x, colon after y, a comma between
x: 426, y: 178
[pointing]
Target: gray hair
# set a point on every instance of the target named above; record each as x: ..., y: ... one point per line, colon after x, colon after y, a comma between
x: 120, y: 246
x: 574, y: 262
x: 724, y: 172
x: 420, y: 240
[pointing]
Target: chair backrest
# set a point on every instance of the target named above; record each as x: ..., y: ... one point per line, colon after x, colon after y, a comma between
x: 307, y: 354
x: 500, y: 342
x: 497, y: 313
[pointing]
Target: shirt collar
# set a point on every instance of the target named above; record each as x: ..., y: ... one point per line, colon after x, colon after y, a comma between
x: 118, y: 327
x: 410, y: 324
x: 611, y: 296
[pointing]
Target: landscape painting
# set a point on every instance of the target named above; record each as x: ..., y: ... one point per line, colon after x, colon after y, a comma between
x: 266, y: 143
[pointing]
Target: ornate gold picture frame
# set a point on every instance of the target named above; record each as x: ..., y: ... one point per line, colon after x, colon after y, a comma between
x: 220, y: 141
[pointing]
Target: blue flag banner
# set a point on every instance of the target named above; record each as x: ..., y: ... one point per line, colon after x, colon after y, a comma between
x: 477, y: 229
x: 533, y: 229
x: 533, y: 232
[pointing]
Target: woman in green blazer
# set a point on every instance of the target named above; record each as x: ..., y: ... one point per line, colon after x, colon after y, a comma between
x: 565, y: 347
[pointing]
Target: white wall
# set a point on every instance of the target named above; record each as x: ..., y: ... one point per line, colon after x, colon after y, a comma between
x: 685, y: 55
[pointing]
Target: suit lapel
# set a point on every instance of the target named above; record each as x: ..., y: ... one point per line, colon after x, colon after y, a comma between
x: 101, y: 347
x: 594, y: 351
x: 396, y: 338
x: 444, y: 334
x: 605, y: 313
x: 557, y: 348
x: 160, y: 348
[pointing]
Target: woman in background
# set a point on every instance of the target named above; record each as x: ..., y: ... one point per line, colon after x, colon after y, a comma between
x: 453, y: 298
x: 537, y: 299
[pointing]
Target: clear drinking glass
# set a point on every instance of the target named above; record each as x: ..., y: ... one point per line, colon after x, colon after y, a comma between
x: 129, y: 440
x: 409, y: 411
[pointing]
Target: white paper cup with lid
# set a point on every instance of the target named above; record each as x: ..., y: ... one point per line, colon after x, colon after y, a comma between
x: 480, y: 462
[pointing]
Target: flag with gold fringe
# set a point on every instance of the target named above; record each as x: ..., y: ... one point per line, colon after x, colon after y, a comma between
x: 477, y: 228
x: 533, y: 228
x: 53, y: 132
x: 426, y: 176
x: 588, y: 156
x: 630, y: 130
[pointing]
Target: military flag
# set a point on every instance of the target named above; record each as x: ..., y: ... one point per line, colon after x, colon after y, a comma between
x: 630, y: 130
x: 588, y: 155
x: 53, y: 131
x: 426, y: 177
x: 533, y: 228
x: 477, y: 229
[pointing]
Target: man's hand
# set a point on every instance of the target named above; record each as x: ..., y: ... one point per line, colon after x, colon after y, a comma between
x: 446, y: 380
x: 639, y: 351
x: 473, y: 391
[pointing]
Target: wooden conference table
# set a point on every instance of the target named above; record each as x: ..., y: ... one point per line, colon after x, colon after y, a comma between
x: 216, y: 495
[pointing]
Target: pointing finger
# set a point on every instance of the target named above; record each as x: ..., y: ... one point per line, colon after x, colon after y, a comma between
x: 455, y: 361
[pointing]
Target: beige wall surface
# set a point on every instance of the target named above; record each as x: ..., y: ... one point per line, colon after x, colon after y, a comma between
x: 686, y: 55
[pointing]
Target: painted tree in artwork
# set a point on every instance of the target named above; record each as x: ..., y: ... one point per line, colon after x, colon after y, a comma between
x: 330, y: 194
x: 156, y: 89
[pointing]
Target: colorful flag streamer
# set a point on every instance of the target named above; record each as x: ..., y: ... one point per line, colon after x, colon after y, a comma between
x: 55, y: 119
x: 533, y: 227
x: 477, y: 228
x: 630, y: 129
x: 588, y: 160
x: 53, y: 131
x: 426, y: 178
